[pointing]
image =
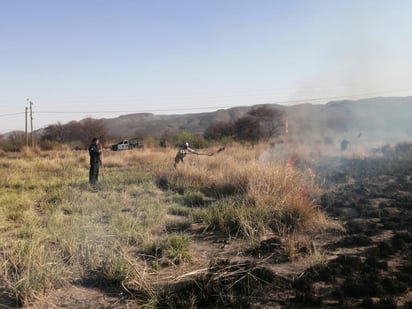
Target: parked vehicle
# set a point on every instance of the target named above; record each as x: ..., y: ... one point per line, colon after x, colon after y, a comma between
x: 128, y: 144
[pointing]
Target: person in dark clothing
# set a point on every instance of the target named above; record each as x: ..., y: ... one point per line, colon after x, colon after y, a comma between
x: 344, y: 144
x: 95, y: 160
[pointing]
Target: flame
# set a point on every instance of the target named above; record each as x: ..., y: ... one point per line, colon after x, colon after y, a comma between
x: 290, y: 164
x: 362, y: 152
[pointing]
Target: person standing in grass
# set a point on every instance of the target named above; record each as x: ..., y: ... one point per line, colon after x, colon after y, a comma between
x: 95, y: 160
x: 181, y: 153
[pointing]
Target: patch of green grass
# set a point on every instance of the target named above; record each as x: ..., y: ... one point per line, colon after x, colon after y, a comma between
x: 176, y: 248
x: 222, y: 216
x: 29, y: 268
x: 177, y: 225
x: 191, y: 199
x: 156, y: 265
x: 129, y: 229
x: 179, y: 210
x: 116, y: 269
x: 14, y: 206
x: 235, y: 218
x: 222, y: 190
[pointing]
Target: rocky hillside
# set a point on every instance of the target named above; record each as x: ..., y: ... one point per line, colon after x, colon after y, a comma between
x: 375, y: 119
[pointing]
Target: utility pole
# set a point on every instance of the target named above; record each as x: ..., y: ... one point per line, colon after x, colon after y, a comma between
x: 25, y: 129
x: 31, y: 122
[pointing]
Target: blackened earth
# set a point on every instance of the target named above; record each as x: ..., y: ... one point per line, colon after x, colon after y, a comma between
x: 371, y: 264
x: 373, y: 267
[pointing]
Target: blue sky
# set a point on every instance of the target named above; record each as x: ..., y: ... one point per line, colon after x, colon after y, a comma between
x: 104, y: 58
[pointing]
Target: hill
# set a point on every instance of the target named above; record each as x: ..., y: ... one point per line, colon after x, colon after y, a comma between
x: 144, y: 124
x: 374, y: 119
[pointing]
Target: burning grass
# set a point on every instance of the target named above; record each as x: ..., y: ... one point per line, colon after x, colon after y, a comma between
x: 57, y: 231
x: 251, y: 197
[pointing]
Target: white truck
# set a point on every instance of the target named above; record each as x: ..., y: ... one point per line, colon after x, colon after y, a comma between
x: 126, y: 144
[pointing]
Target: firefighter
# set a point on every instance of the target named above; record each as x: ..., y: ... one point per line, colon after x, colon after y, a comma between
x: 95, y: 160
x: 344, y: 144
x: 184, y: 149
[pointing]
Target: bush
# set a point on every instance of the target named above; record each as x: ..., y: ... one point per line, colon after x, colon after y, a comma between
x: 194, y: 141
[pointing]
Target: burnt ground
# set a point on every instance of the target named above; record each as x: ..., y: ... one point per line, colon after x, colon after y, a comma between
x: 369, y: 264
x: 372, y: 197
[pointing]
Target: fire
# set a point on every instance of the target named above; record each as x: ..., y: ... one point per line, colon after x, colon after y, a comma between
x: 361, y: 152
x: 290, y: 164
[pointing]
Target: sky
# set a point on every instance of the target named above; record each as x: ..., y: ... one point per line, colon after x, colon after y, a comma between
x: 104, y: 58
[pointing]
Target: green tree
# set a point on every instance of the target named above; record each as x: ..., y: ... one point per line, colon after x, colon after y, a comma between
x: 195, y: 141
x: 150, y: 141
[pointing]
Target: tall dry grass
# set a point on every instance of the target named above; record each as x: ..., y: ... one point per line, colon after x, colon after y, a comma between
x: 253, y: 196
x: 57, y: 230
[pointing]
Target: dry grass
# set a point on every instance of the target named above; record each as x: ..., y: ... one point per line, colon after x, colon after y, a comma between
x: 253, y: 197
x: 56, y: 230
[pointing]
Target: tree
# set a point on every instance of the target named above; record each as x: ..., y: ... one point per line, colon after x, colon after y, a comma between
x: 92, y: 128
x: 165, y: 139
x: 82, y: 131
x: 268, y: 119
x: 247, y: 129
x: 218, y: 130
x: 150, y: 141
x: 15, y: 141
x: 260, y: 123
x: 55, y: 132
x: 74, y: 131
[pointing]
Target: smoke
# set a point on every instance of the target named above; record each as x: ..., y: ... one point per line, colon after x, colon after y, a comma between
x: 317, y: 131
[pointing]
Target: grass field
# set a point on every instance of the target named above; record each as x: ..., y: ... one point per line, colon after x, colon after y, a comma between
x: 143, y: 225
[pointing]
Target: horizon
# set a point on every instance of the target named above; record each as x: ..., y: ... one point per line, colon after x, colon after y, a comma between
x: 339, y: 100
x: 90, y: 58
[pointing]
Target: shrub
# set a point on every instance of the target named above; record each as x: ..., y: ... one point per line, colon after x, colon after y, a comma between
x: 194, y: 141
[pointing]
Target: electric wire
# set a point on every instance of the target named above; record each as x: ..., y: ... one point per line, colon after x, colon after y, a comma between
x: 216, y: 107
x: 188, y: 109
x: 11, y: 114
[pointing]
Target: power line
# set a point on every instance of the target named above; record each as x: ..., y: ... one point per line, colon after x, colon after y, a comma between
x: 202, y: 108
x: 276, y: 92
x: 290, y: 101
x: 12, y: 114
x: 129, y: 111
